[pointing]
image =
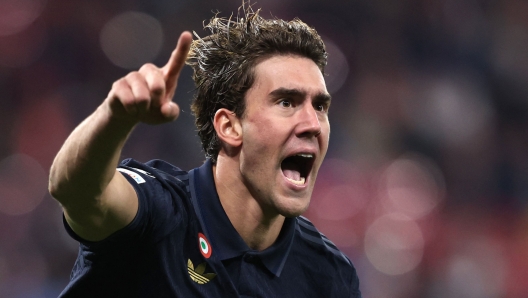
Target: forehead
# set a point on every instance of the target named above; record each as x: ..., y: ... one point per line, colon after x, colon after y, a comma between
x: 291, y: 72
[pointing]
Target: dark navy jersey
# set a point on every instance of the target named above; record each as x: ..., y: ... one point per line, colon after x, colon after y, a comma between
x: 182, y: 244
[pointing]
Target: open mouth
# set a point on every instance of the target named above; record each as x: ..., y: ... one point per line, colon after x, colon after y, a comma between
x: 296, y: 168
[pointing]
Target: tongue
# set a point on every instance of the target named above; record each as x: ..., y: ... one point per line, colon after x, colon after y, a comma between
x: 293, y: 175
x: 291, y: 170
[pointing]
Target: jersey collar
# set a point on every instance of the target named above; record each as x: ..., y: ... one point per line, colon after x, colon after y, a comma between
x: 225, y: 240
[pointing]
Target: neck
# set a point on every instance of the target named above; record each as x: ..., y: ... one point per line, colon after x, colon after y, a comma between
x: 259, y: 229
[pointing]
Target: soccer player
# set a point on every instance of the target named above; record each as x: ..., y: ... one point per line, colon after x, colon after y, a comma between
x: 231, y: 227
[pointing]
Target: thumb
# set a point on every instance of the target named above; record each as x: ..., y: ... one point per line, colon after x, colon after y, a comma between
x: 170, y: 111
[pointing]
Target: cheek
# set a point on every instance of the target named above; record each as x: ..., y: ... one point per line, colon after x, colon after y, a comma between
x: 254, y: 146
x: 259, y: 134
x: 325, y: 135
x: 260, y: 148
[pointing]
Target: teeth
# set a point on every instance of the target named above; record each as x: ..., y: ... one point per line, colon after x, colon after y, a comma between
x: 305, y: 155
x: 297, y: 182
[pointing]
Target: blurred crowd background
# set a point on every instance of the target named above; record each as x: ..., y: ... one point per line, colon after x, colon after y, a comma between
x: 425, y: 185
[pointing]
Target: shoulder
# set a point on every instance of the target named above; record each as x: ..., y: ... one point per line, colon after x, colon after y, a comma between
x: 152, y: 167
x: 154, y: 171
x: 313, y: 240
x: 330, y: 270
x: 158, y: 181
x: 163, y: 194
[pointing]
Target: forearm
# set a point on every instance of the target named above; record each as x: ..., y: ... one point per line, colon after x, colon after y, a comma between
x: 97, y: 201
x: 86, y: 163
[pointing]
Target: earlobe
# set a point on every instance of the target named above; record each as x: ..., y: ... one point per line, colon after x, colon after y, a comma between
x: 228, y: 129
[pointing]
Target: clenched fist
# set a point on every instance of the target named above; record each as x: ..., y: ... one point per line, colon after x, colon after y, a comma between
x: 146, y: 95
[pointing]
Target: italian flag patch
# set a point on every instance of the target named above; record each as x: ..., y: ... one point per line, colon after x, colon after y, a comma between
x: 205, y: 247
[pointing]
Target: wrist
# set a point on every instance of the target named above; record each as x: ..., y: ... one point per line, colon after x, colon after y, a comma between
x: 120, y: 122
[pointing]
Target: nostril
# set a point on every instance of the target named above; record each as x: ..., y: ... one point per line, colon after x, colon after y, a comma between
x: 309, y: 132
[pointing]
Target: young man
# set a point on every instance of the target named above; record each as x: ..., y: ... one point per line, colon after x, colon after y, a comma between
x: 232, y: 227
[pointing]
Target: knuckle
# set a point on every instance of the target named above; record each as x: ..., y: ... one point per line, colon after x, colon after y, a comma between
x: 127, y: 101
x: 119, y: 84
x: 119, y: 91
x: 132, y: 75
x: 148, y: 67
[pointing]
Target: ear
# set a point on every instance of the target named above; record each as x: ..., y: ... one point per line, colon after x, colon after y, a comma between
x: 228, y: 128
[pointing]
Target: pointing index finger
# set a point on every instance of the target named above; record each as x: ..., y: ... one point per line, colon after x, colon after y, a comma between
x: 171, y: 70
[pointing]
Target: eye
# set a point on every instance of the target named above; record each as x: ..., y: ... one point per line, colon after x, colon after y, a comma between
x: 321, y: 107
x: 285, y: 103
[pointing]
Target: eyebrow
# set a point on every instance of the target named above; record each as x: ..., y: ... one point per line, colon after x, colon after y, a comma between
x: 280, y: 92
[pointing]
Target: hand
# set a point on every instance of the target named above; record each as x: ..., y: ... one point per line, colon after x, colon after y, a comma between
x: 146, y: 95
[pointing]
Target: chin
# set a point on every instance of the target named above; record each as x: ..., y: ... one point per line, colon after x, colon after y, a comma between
x: 292, y: 214
x: 295, y: 208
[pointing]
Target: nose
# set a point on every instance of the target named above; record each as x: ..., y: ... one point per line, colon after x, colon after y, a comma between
x: 309, y: 123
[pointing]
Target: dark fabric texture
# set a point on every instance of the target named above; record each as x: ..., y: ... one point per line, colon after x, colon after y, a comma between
x: 161, y: 253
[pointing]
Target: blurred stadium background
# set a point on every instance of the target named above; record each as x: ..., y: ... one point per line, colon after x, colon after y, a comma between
x: 425, y: 186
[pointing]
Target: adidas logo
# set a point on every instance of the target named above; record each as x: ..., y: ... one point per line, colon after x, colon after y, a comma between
x: 198, y: 275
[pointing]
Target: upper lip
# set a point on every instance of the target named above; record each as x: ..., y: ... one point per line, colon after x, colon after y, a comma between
x: 302, y: 152
x: 306, y: 150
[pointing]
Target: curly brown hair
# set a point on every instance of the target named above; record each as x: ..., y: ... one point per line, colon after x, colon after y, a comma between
x: 224, y: 63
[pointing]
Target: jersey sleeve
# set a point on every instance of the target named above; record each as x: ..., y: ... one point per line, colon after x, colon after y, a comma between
x: 160, y: 209
x: 354, y: 286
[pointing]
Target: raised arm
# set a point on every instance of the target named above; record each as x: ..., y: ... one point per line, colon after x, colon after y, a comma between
x: 97, y: 201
